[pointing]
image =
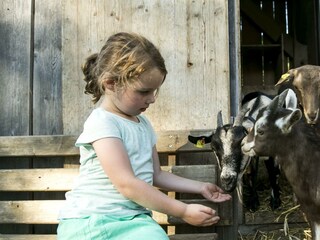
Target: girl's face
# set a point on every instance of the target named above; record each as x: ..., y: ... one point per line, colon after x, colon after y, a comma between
x: 137, y: 97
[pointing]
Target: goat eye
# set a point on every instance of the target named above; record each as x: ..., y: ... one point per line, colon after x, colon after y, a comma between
x: 260, y: 131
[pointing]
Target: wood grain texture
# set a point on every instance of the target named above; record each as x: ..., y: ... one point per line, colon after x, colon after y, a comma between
x: 63, y: 145
x: 15, y: 25
x: 192, y: 37
x: 38, y: 146
x: 44, y: 180
x: 15, y: 79
x: 46, y: 212
x: 61, y: 179
x: 47, y: 97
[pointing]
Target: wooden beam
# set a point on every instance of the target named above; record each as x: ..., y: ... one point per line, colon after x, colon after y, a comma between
x: 63, y: 145
x: 267, y: 24
x: 38, y: 146
x: 61, y: 179
x: 23, y: 212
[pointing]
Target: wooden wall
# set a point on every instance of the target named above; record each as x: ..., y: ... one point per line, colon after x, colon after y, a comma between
x: 192, y: 37
x: 44, y: 43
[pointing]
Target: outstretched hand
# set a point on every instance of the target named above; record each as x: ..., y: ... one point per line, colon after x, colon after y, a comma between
x: 214, y: 193
x: 200, y: 215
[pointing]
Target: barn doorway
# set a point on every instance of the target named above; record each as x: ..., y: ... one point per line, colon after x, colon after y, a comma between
x: 276, y: 36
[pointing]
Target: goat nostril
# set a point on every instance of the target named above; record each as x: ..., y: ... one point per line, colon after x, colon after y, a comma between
x: 312, y: 115
x: 227, y: 179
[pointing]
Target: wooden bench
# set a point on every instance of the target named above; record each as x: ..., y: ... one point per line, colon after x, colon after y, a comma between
x: 35, y: 208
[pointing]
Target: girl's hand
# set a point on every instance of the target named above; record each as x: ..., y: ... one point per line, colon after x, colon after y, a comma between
x: 213, y: 193
x: 200, y: 215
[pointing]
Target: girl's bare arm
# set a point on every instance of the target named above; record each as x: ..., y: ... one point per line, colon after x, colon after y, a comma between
x: 171, y: 182
x: 115, y: 162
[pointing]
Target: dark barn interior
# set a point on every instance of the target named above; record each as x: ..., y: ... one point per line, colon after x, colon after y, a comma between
x: 275, y: 37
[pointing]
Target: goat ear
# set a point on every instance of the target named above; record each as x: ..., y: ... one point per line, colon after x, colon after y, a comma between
x: 274, y: 104
x: 286, y: 77
x: 219, y: 119
x: 278, y: 101
x: 289, y: 120
x: 291, y: 100
x: 203, y: 139
x: 283, y: 97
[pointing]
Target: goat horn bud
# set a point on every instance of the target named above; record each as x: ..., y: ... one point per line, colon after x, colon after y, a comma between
x: 239, y: 118
x: 219, y: 119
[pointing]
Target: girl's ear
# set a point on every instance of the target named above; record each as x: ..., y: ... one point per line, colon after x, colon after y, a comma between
x: 109, y: 84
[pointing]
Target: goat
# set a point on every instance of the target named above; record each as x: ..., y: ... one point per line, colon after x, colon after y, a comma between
x: 282, y: 133
x: 226, y: 144
x: 305, y: 81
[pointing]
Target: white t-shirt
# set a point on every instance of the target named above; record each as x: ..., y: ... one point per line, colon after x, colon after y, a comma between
x: 93, y: 192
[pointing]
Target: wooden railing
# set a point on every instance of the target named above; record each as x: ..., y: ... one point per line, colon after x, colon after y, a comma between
x: 47, y: 149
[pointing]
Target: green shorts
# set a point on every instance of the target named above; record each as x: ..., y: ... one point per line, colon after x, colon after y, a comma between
x: 101, y: 227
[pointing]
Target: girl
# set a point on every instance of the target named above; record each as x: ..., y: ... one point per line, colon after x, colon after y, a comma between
x: 115, y: 192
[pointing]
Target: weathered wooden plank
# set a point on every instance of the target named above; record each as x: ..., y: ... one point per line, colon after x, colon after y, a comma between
x: 47, y: 89
x: 37, y: 180
x: 46, y: 212
x: 15, y: 41
x: 15, y: 79
x: 28, y: 237
x: 207, y: 173
x: 47, y: 84
x: 61, y: 179
x: 196, y: 236
x: 38, y: 146
x: 30, y: 212
x: 81, y: 25
x: 63, y: 145
x: 171, y: 141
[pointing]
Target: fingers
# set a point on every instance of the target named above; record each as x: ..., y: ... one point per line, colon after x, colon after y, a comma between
x: 211, y: 217
x: 221, y: 197
x: 219, y: 189
x: 211, y: 221
x: 214, y: 193
x: 208, y: 210
x: 200, y: 215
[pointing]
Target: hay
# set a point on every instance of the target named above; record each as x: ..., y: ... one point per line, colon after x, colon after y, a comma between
x: 284, y: 215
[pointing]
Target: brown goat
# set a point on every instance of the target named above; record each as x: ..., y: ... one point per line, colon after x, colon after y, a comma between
x: 305, y: 81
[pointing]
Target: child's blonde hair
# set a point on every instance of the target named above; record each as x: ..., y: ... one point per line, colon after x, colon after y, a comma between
x: 123, y: 58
